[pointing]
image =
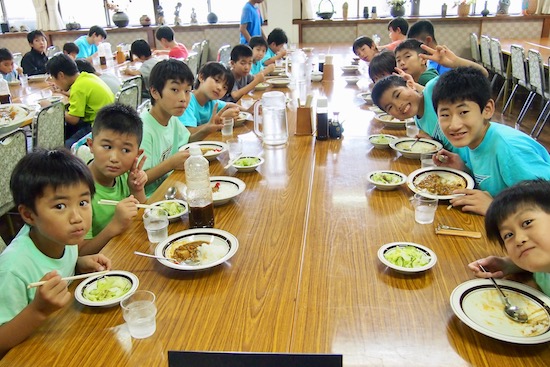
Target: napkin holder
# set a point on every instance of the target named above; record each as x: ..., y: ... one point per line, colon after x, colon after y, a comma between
x: 304, y: 120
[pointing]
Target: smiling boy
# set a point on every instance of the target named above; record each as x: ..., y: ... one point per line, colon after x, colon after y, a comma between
x: 34, y: 61
x: 497, y: 155
x: 52, y: 191
x: 407, y: 57
x: 117, y: 172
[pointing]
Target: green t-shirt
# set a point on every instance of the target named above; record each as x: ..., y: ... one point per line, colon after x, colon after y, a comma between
x: 102, y: 214
x: 159, y: 143
x: 88, y: 95
x: 22, y: 263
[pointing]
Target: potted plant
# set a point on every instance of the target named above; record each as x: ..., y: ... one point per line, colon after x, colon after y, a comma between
x: 120, y: 18
x: 397, y: 7
x: 463, y: 7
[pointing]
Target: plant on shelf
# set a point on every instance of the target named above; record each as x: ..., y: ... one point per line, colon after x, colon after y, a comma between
x: 120, y: 18
x: 463, y: 2
x: 397, y: 8
x: 463, y: 7
x: 396, y: 2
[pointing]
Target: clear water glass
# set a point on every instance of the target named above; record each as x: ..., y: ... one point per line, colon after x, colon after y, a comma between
x: 140, y: 313
x: 412, y: 129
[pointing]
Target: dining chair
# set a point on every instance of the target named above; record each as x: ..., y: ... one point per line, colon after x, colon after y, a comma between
x: 224, y: 55
x: 196, y: 48
x: 474, y: 48
x: 519, y: 78
x: 129, y: 96
x: 52, y: 51
x: 193, y: 62
x: 2, y: 245
x: 17, y: 57
x: 205, y: 49
x: 13, y: 147
x: 48, y: 126
x: 144, y: 106
x: 538, y: 83
x: 499, y: 68
x: 485, y: 47
x: 81, y: 150
x: 134, y: 80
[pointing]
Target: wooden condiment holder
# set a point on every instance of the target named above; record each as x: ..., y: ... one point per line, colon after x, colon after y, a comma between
x: 304, y: 121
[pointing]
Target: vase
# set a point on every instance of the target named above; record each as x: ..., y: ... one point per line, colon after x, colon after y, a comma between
x: 121, y: 19
x: 415, y: 8
x: 144, y: 20
x: 397, y: 11
x: 485, y: 11
x: 529, y: 7
x: 502, y: 7
x: 212, y: 18
x: 463, y: 10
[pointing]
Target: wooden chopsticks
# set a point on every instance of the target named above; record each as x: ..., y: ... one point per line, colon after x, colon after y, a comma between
x: 74, y: 277
x: 114, y: 202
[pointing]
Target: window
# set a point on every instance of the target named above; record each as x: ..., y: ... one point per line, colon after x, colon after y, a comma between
x: 73, y: 11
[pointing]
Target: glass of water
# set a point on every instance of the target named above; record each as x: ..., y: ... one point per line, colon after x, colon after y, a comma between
x: 155, y: 221
x: 412, y: 129
x: 424, y: 209
x: 139, y: 312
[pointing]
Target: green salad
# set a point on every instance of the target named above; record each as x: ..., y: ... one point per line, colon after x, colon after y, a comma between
x: 247, y: 161
x: 172, y: 208
x: 107, y: 288
x: 386, y: 178
x: 407, y: 257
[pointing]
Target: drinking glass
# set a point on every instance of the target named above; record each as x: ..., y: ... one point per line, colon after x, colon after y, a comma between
x: 412, y: 129
x: 227, y: 126
x: 426, y: 160
x: 155, y: 221
x: 235, y: 148
x: 139, y: 312
x: 424, y: 209
x: 24, y: 79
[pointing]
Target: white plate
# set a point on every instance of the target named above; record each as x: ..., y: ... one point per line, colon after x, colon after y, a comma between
x: 477, y: 303
x: 389, y: 246
x: 423, y: 146
x: 229, y: 187
x: 387, y: 186
x: 391, y: 122
x: 279, y: 82
x: 216, y: 148
x: 381, y: 145
x: 92, y: 282
x: 12, y: 115
x: 210, y: 235
x: 248, y: 168
x: 262, y: 86
x: 447, y: 173
x: 350, y: 69
x: 366, y: 96
x: 173, y: 218
x: 352, y: 80
x: 376, y: 110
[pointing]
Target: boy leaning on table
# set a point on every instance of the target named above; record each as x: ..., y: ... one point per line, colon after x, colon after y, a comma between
x: 407, y: 57
x: 497, y: 156
x: 117, y: 172
x: 52, y: 191
x: 259, y: 48
x: 276, y: 41
x: 87, y: 44
x: 519, y: 219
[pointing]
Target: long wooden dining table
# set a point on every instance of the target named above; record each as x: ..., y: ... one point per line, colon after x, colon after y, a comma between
x: 306, y: 277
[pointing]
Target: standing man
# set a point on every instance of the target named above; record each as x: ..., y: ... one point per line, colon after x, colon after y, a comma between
x: 251, y: 21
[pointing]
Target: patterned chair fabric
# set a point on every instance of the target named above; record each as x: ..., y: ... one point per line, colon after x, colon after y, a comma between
x: 193, y: 62
x: 135, y: 80
x: 538, y: 82
x: 224, y: 55
x: 485, y: 47
x: 145, y: 105
x: 48, y: 126
x: 129, y: 96
x: 13, y: 147
x: 499, y: 67
x: 205, y: 48
x: 519, y: 79
x: 474, y: 48
x: 52, y: 51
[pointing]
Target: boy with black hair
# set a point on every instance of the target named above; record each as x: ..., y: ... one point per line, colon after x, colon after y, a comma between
x: 276, y: 42
x: 423, y: 31
x: 398, y: 28
x: 52, y: 191
x: 141, y: 51
x: 88, y: 95
x: 365, y: 48
x: 259, y: 48
x: 519, y: 219
x: 498, y: 156
x: 71, y: 49
x: 117, y: 172
x: 6, y: 66
x: 382, y: 65
x: 34, y: 61
x: 165, y: 35
x: 241, y: 63
x: 87, y: 44
x: 407, y: 56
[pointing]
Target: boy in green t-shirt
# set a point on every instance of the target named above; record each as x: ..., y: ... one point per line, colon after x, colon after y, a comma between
x: 52, y: 191
x: 117, y: 172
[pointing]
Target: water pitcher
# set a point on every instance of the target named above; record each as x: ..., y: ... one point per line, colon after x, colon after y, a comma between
x: 273, y: 121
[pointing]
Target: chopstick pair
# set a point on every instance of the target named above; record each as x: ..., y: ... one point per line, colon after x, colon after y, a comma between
x: 114, y: 202
x: 74, y: 277
x: 230, y: 163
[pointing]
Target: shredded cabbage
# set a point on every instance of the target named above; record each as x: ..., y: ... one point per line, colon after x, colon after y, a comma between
x: 108, y: 287
x: 246, y: 162
x: 172, y: 207
x: 407, y: 257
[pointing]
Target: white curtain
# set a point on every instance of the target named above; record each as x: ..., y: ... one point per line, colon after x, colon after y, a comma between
x: 543, y: 7
x: 309, y: 9
x: 56, y: 22
x: 42, y: 19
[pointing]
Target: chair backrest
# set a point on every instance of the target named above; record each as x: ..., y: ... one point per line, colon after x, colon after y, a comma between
x: 49, y: 127
x: 17, y: 57
x: 536, y: 72
x: 81, y: 150
x: 496, y: 57
x: 134, y: 80
x: 145, y: 105
x: 52, y: 51
x: 224, y: 55
x: 205, y: 48
x: 13, y: 147
x: 196, y: 47
x: 2, y: 245
x: 474, y: 48
x: 485, y: 47
x: 193, y: 62
x: 129, y: 96
x: 517, y: 57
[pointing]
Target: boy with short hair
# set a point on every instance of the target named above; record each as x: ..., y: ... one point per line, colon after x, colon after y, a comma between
x: 276, y: 41
x: 382, y: 65
x: 241, y: 62
x: 71, y: 49
x: 398, y: 28
x: 423, y: 31
x: 519, y: 218
x: 259, y: 48
x: 6, y: 66
x: 88, y: 95
x: 34, y: 61
x: 165, y: 35
x: 117, y: 172
x: 52, y: 191
x: 498, y: 156
x: 251, y: 21
x: 87, y: 44
x: 140, y: 50
x: 365, y: 48
x: 407, y: 56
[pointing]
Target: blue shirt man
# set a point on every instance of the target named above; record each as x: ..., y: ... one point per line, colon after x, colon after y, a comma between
x: 251, y: 21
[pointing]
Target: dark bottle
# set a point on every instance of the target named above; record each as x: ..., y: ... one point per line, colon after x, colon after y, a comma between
x: 366, y: 12
x: 443, y: 10
x: 322, y: 119
x: 199, y: 192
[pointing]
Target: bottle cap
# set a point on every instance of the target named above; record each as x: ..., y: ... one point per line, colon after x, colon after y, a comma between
x: 195, y: 150
x: 322, y: 102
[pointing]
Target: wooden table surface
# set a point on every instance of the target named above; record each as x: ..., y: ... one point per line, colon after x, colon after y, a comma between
x: 306, y: 278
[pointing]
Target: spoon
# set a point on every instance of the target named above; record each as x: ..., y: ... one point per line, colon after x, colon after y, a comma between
x: 412, y: 145
x: 170, y: 193
x: 513, y: 312
x: 156, y: 257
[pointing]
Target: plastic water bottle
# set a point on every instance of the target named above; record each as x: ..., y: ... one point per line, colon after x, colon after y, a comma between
x: 199, y: 193
x: 5, y: 95
x: 300, y: 72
